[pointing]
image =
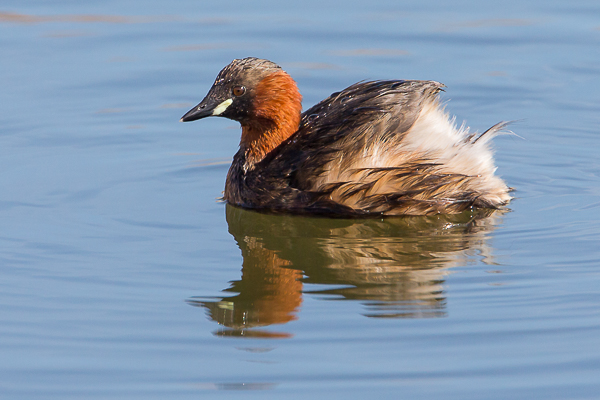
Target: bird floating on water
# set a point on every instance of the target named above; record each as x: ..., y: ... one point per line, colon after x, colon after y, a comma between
x: 376, y: 148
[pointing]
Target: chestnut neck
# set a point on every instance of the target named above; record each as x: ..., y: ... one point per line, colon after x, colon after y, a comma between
x: 276, y: 114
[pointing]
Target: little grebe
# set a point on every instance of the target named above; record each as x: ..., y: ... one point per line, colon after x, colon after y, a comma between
x: 375, y: 148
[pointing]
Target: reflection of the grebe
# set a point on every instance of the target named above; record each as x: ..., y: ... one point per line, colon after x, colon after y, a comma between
x: 396, y: 265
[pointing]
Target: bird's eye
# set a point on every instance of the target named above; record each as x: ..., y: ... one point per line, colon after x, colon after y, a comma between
x: 238, y: 90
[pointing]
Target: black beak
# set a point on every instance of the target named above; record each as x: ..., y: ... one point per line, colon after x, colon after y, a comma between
x: 202, y: 110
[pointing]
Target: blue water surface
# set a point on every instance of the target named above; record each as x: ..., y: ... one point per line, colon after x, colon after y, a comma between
x: 124, y: 276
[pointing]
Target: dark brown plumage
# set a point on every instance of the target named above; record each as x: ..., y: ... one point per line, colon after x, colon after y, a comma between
x: 375, y: 148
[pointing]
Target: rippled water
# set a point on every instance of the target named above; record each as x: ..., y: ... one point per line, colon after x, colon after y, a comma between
x: 123, y: 276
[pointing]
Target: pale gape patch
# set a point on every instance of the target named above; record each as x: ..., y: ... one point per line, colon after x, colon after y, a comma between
x: 222, y: 107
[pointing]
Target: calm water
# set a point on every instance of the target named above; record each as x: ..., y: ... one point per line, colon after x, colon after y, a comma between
x: 122, y: 276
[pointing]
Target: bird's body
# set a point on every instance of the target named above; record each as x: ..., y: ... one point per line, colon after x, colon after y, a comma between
x: 375, y: 148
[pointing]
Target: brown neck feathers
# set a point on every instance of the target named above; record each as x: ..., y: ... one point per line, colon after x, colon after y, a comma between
x: 277, y: 107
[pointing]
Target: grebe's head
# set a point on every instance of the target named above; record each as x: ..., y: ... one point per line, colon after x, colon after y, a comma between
x: 247, y: 90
